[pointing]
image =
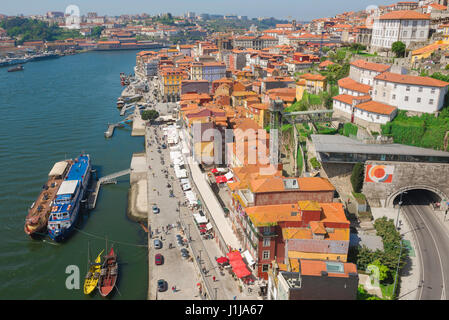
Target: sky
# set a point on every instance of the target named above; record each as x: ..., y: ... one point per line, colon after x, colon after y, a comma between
x: 301, y: 10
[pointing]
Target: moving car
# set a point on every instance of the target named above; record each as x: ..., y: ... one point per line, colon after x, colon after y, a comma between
x: 155, y: 209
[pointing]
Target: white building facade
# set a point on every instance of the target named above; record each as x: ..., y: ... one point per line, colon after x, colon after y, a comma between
x: 405, y: 26
x: 411, y: 93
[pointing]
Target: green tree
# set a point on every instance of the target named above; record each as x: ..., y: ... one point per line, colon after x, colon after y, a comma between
x: 398, y: 48
x: 150, y: 115
x: 383, y: 270
x: 357, y: 177
x: 96, y: 32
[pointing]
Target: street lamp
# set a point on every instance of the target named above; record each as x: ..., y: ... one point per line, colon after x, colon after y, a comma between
x: 397, y: 269
x: 399, y: 208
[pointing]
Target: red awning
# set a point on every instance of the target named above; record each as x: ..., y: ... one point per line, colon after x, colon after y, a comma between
x: 203, y: 230
x: 221, y: 179
x: 222, y: 260
x: 236, y: 264
x: 214, y: 170
x: 233, y: 255
x: 241, y: 272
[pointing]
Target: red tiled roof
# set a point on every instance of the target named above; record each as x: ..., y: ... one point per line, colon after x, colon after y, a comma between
x: 353, y: 85
x: 370, y: 65
x: 348, y: 99
x: 404, y: 15
x: 376, y: 107
x: 414, y: 80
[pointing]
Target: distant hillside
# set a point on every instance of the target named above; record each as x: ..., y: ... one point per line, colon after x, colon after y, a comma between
x: 24, y: 29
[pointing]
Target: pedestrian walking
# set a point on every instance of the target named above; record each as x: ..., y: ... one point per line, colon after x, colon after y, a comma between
x: 213, y: 278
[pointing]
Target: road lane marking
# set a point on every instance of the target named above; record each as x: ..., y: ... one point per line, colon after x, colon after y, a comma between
x: 438, y: 252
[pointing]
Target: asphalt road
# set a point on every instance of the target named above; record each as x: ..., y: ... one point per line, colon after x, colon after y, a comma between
x: 433, y: 246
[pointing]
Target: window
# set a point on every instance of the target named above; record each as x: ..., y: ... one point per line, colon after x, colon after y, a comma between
x: 404, y: 34
x: 408, y: 88
x: 406, y: 98
x: 266, y: 255
x: 420, y: 89
x: 431, y: 101
x: 266, y: 229
x: 265, y: 268
x: 415, y: 23
x: 418, y: 100
x: 383, y: 95
x: 377, y: 117
x: 421, y: 34
x: 395, y: 86
x: 413, y: 34
x: 394, y: 97
x: 266, y: 242
x: 432, y: 91
x: 405, y: 23
x: 375, y: 92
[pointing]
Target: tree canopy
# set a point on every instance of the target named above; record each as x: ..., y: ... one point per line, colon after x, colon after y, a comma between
x: 398, y: 48
x: 31, y: 29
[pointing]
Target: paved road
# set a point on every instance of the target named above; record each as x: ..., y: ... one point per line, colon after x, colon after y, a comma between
x: 176, y: 271
x: 433, y: 246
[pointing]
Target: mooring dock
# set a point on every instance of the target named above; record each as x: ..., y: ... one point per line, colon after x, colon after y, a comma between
x: 96, y: 185
x: 112, y: 126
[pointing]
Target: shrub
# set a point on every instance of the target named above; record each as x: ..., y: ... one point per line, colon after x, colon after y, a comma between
x: 350, y: 129
x: 315, y: 163
x: 357, y: 177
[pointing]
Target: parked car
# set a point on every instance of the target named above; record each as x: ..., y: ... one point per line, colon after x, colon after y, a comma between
x: 184, y: 253
x: 157, y: 243
x: 158, y: 259
x: 162, y: 285
x: 164, y: 146
x: 180, y: 242
x: 155, y: 209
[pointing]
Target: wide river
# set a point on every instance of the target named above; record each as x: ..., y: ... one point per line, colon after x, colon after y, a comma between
x: 54, y: 110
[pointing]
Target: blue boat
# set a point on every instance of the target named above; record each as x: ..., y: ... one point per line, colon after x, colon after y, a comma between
x: 66, y: 205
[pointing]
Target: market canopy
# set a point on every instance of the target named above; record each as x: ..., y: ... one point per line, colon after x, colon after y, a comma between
x: 214, y: 170
x: 235, y: 264
x: 199, y: 218
x: 241, y: 272
x: 234, y: 255
x: 222, y: 260
x: 221, y: 179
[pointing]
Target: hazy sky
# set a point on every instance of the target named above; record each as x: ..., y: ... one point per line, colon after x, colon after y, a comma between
x: 299, y: 9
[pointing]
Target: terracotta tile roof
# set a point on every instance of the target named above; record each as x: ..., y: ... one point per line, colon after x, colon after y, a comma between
x: 313, y: 77
x: 404, y: 15
x: 348, y: 99
x: 353, y: 85
x: 326, y: 63
x: 314, y: 268
x: 413, y: 80
x: 276, y: 184
x: 317, y: 227
x: 376, y: 107
x: 370, y: 65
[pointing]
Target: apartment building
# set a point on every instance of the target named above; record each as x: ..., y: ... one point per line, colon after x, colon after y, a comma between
x: 301, y: 279
x: 411, y: 93
x: 404, y: 25
x: 364, y: 72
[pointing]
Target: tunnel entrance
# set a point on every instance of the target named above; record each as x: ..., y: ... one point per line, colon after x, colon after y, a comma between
x: 418, y: 194
x: 418, y: 197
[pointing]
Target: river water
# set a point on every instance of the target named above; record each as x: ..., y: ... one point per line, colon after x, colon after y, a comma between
x: 54, y: 110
